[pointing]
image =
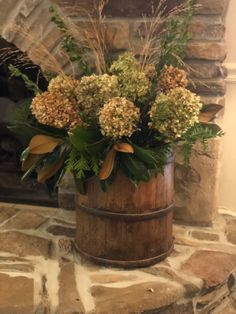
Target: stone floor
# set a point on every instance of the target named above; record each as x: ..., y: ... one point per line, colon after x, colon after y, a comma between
x: 40, y: 272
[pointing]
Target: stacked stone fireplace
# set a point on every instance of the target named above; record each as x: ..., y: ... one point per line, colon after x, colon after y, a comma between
x: 13, y: 95
x: 196, y: 186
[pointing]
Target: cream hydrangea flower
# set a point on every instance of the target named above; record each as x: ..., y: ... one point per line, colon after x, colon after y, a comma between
x: 118, y: 118
x: 94, y: 91
x: 174, y: 113
x: 134, y: 83
x: 54, y: 109
x: 64, y: 84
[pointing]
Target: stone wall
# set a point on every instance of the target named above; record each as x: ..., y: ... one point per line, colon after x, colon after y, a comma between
x: 205, y: 54
x: 197, y: 187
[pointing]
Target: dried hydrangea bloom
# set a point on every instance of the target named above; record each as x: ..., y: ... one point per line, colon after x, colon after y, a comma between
x: 150, y: 71
x: 56, y: 110
x: 134, y: 83
x: 174, y: 113
x: 171, y: 78
x: 94, y: 91
x: 118, y: 118
x: 64, y: 84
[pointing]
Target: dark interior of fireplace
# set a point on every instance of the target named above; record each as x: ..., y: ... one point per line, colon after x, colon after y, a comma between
x: 13, y: 93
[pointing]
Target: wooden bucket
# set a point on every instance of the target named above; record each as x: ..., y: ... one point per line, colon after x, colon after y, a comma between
x: 126, y: 226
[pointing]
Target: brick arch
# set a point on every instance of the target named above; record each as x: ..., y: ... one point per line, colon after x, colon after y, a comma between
x: 32, y: 15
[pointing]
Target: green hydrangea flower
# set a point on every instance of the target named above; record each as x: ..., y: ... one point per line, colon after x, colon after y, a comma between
x: 133, y: 82
x: 174, y: 113
x: 94, y: 91
x: 63, y: 84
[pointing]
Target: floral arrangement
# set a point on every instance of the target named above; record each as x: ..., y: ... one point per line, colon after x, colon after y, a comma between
x: 121, y: 114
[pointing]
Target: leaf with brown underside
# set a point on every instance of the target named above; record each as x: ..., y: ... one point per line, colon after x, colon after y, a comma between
x: 47, y: 172
x: 124, y: 148
x: 209, y: 112
x: 42, y: 144
x: 107, y: 165
x: 31, y: 160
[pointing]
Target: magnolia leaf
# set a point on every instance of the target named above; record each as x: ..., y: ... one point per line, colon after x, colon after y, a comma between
x: 28, y: 131
x: 24, y: 154
x: 42, y: 144
x: 97, y: 147
x: 209, y: 112
x: 31, y: 160
x: 107, y: 165
x: 81, y: 137
x: 49, y: 171
x: 124, y: 148
x: 146, y: 156
x: 135, y: 167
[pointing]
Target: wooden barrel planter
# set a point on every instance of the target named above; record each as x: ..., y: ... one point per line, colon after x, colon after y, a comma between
x: 126, y: 226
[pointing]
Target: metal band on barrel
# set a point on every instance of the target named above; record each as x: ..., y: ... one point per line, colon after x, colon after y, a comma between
x: 123, y: 216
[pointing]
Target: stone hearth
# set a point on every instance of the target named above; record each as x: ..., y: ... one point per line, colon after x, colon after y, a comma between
x: 42, y: 273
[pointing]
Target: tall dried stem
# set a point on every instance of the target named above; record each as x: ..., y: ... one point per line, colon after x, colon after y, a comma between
x: 90, y: 33
x: 154, y: 27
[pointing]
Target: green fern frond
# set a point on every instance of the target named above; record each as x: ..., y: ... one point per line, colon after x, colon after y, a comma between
x: 81, y: 165
x: 198, y: 132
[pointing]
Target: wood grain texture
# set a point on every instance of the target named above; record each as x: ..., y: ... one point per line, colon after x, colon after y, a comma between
x: 124, y: 240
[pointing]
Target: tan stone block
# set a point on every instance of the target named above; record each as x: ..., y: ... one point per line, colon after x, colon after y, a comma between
x: 225, y: 307
x: 196, y: 185
x: 209, y: 87
x: 136, y: 298
x: 23, y: 244
x: 25, y: 268
x: 41, y: 210
x: 213, y: 300
x: 184, y: 308
x: 205, y: 236
x: 61, y: 230
x: 67, y: 182
x: 6, y: 213
x: 66, y: 199
x: 7, y: 9
x: 209, y: 29
x: 111, y: 278
x: 206, y: 69
x: 215, y: 51
x: 7, y: 259
x: 122, y: 8
x: 118, y: 35
x: 211, y: 6
x: 167, y: 272
x: 69, y: 299
x: 66, y: 192
x: 25, y: 220
x: 194, y: 243
x: 231, y: 230
x: 16, y: 295
x: 209, y: 100
x: 213, y: 267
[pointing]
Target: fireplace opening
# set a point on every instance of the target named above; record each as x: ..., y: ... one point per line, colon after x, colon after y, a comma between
x: 13, y: 94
